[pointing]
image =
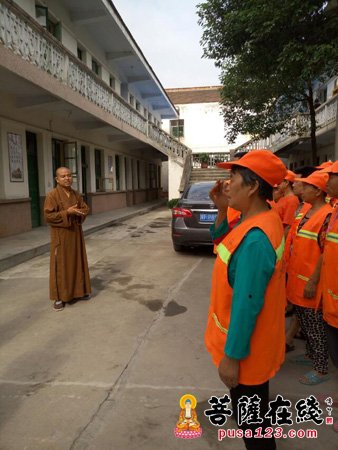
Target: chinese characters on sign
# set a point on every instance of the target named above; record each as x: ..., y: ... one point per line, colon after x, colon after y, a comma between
x: 307, y: 410
x: 15, y: 156
x: 249, y: 412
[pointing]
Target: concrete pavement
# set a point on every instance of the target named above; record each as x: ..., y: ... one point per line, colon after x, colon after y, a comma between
x: 107, y: 374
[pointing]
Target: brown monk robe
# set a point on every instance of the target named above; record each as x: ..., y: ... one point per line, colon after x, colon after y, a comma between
x: 65, y: 211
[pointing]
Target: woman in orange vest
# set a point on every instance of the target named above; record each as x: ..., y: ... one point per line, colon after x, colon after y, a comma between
x: 286, y: 201
x: 245, y: 330
x: 329, y: 273
x: 303, y: 269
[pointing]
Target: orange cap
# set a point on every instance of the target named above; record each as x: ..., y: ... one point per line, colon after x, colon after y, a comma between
x: 317, y: 179
x: 324, y: 165
x: 263, y: 163
x: 333, y: 168
x: 291, y: 176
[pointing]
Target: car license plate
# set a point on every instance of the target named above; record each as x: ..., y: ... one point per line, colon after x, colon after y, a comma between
x: 207, y: 217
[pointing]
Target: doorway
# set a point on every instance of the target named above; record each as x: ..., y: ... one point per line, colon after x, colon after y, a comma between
x: 64, y: 154
x: 33, y: 178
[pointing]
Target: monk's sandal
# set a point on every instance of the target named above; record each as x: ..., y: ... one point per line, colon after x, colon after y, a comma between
x: 58, y: 305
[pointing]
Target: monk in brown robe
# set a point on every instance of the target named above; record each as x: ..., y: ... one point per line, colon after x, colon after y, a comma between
x: 65, y: 212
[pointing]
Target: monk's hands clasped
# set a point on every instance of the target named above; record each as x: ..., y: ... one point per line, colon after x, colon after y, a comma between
x: 74, y: 211
x: 228, y: 371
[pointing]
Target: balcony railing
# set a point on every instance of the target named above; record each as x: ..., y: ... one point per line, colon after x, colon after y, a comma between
x: 29, y: 40
x: 298, y: 127
x: 213, y: 159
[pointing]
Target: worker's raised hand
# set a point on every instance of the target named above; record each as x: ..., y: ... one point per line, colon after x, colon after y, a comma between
x: 218, y: 194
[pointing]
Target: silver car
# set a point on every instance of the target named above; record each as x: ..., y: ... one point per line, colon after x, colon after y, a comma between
x: 192, y: 217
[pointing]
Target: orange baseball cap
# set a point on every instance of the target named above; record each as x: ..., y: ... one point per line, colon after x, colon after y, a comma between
x: 263, y: 163
x: 317, y: 179
x: 290, y: 176
x: 324, y: 165
x: 333, y: 168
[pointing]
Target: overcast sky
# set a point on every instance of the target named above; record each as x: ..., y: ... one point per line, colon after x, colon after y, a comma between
x: 168, y: 35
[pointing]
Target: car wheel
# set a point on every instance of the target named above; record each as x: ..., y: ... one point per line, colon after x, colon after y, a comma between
x: 178, y: 248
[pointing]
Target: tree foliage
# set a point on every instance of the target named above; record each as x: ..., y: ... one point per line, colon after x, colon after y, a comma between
x: 271, y: 53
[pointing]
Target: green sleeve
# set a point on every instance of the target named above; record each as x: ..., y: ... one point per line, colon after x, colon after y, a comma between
x: 221, y: 230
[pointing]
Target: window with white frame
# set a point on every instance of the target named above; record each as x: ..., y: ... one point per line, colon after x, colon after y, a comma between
x: 177, y: 128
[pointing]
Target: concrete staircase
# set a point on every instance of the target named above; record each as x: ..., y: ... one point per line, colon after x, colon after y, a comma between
x: 209, y: 174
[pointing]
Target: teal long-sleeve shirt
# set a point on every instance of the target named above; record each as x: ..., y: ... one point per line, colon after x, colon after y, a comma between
x: 249, y: 272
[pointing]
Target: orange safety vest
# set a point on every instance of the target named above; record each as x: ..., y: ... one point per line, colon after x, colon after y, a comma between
x: 286, y: 207
x: 329, y: 273
x: 232, y: 215
x: 304, y: 256
x: 267, y: 344
x: 292, y: 233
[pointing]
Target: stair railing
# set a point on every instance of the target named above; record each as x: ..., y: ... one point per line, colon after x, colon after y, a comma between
x: 186, y: 172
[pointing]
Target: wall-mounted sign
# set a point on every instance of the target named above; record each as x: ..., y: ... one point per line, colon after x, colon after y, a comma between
x: 15, y: 156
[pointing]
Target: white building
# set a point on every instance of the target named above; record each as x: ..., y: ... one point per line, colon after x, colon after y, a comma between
x: 76, y: 90
x: 200, y: 125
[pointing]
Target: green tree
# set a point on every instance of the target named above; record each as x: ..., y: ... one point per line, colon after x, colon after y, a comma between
x: 271, y: 54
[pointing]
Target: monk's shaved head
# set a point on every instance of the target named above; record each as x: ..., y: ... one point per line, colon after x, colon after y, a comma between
x: 64, y: 177
x: 61, y: 169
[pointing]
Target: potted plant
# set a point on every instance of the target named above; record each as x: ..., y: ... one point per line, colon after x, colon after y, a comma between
x: 204, y: 158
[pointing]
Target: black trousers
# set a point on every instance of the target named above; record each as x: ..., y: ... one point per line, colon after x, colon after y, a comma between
x: 262, y: 391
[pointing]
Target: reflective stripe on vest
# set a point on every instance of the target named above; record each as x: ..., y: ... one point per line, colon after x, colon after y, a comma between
x: 218, y: 324
x: 302, y: 277
x: 307, y: 234
x: 280, y: 250
x: 332, y: 294
x: 225, y: 255
x: 299, y: 216
x: 332, y: 237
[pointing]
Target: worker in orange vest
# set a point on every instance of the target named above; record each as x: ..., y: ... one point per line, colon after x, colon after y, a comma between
x: 286, y: 201
x: 245, y: 330
x: 294, y: 325
x: 303, y: 269
x: 329, y: 274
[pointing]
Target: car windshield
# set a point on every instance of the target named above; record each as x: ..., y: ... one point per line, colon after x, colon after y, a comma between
x: 199, y: 191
